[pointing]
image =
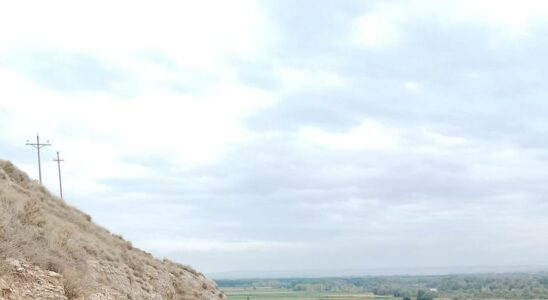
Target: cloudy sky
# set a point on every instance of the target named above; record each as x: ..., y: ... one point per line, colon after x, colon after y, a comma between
x: 290, y: 135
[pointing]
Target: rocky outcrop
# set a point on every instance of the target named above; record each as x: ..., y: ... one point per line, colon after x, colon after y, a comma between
x: 23, y: 281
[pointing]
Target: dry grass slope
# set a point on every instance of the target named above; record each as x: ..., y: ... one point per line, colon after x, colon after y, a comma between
x: 41, y: 230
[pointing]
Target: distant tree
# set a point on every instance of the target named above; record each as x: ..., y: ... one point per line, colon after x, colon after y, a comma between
x: 406, y: 298
x: 424, y: 295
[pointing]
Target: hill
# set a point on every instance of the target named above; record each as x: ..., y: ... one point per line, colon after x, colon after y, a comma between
x: 50, y: 250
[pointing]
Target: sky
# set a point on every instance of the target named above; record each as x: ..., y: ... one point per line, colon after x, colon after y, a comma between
x: 290, y: 136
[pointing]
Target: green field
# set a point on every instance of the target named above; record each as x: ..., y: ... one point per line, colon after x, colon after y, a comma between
x: 286, y: 294
x: 533, y: 285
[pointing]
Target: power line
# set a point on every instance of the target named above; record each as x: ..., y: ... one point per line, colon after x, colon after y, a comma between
x: 38, y: 146
x: 59, y: 160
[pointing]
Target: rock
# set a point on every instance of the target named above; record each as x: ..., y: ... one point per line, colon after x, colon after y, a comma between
x: 14, y: 262
x: 31, y: 283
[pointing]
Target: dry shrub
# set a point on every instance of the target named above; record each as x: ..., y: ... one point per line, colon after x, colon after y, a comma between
x: 9, y: 248
x: 190, y: 270
x: 134, y: 263
x: 32, y: 214
x: 90, y: 250
x: 73, y: 285
x: 87, y: 217
x: 39, y: 235
x: 55, y: 266
x: 5, y: 268
x: 169, y: 295
x: 13, y: 173
x: 179, y: 287
x: 62, y: 241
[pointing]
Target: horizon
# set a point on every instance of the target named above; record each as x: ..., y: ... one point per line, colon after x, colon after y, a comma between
x: 378, y: 272
x: 290, y: 135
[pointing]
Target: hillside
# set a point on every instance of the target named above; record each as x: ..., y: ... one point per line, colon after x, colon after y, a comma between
x: 50, y: 250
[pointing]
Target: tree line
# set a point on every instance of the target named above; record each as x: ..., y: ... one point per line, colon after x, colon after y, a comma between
x: 478, y: 286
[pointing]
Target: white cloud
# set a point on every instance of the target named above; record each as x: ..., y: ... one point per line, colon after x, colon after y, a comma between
x: 195, y: 34
x: 384, y: 25
x: 186, y: 129
x: 412, y: 87
x: 293, y: 79
x: 370, y: 135
x: 512, y: 18
x: 378, y: 29
x: 209, y: 245
x: 99, y: 133
x: 444, y: 140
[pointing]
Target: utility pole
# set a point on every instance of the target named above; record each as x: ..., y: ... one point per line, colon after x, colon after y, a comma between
x: 59, y: 160
x: 38, y: 146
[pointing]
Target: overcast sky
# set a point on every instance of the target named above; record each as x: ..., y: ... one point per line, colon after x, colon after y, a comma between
x: 290, y: 135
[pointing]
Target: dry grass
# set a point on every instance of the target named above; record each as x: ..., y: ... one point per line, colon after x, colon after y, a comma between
x: 5, y: 268
x: 41, y: 229
x: 73, y: 285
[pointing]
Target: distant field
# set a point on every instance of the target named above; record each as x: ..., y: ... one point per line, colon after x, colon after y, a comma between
x: 455, y: 286
x: 284, y: 294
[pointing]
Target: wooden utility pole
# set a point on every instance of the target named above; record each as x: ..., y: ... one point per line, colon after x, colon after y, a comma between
x: 38, y: 146
x: 59, y: 160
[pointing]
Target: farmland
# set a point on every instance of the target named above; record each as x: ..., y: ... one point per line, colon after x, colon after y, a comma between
x: 464, y: 286
x: 286, y: 294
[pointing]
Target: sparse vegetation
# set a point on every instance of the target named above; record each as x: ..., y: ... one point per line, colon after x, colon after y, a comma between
x: 42, y: 230
x: 4, y: 267
x: 73, y: 285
